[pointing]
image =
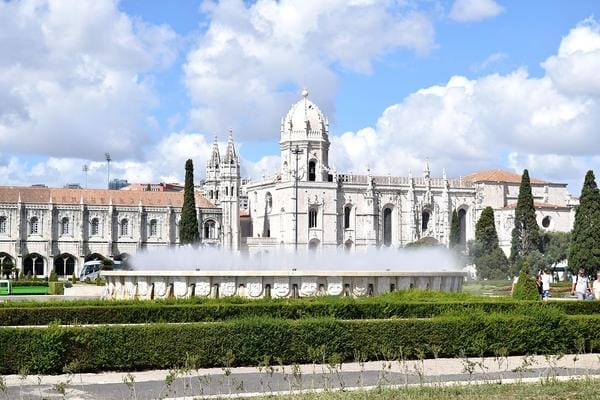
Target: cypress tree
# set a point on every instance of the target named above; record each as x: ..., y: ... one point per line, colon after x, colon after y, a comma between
x: 188, y: 225
x: 584, y: 251
x: 526, y: 233
x: 454, y: 230
x: 489, y: 258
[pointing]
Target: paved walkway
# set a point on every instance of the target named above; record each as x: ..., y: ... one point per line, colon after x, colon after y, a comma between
x: 248, y: 382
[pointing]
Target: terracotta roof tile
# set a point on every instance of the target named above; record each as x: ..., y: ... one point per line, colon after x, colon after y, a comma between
x: 10, y: 194
x: 499, y: 175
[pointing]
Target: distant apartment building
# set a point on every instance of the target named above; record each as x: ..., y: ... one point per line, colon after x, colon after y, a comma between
x: 154, y: 187
x: 117, y: 184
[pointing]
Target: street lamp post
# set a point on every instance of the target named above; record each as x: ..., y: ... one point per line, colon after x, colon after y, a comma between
x: 85, y: 170
x: 108, y: 160
x: 296, y: 151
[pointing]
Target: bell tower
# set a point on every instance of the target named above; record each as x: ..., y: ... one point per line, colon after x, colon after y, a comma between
x: 229, y: 195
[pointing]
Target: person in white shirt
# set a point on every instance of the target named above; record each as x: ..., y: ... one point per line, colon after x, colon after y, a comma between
x: 596, y: 287
x: 546, y: 279
x: 581, y: 284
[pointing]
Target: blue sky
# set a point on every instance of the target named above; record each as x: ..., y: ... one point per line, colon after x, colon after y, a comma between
x: 152, y: 82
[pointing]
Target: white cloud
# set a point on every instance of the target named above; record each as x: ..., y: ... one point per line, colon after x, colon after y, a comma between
x: 246, y: 69
x: 72, y: 78
x: 490, y: 60
x: 474, y: 10
x: 547, y: 123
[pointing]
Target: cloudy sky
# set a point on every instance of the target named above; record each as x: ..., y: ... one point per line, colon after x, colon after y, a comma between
x: 470, y: 84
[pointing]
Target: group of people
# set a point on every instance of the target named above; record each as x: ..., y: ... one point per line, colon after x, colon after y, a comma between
x: 582, y: 287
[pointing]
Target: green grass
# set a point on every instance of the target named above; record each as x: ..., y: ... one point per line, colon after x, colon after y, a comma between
x: 585, y: 389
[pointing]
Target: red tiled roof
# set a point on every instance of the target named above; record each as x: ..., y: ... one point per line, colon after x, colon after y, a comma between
x: 10, y: 194
x: 499, y: 175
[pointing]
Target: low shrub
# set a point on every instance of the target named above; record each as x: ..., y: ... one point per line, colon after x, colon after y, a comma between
x: 53, y: 276
x: 28, y: 283
x: 165, y: 346
x: 193, y: 310
x: 526, y: 288
x: 57, y: 288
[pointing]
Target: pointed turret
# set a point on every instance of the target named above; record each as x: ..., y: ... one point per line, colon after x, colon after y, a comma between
x: 427, y: 170
x: 215, y: 157
x: 230, y: 155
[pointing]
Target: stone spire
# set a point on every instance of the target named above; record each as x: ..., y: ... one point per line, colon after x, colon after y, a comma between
x: 230, y: 155
x: 427, y: 170
x: 215, y: 157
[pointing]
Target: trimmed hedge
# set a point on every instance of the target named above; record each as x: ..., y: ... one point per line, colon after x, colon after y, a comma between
x: 138, y: 347
x: 146, y: 312
x: 28, y: 283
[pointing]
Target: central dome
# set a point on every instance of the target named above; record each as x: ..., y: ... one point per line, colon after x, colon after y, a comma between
x: 304, y: 121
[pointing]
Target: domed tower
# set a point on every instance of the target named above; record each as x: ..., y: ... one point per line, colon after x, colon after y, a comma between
x: 307, y: 130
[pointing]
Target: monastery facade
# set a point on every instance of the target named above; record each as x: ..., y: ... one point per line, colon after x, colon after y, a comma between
x: 304, y: 205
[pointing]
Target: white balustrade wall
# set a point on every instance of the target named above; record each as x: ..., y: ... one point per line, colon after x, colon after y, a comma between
x: 275, y: 284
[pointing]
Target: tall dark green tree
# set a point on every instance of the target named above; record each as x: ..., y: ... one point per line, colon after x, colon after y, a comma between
x: 585, y: 242
x: 526, y: 233
x: 490, y: 260
x: 454, y: 231
x: 188, y: 225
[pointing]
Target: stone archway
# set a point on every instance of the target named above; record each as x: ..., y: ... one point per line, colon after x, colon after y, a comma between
x: 94, y: 257
x: 64, y: 264
x: 7, y: 265
x: 33, y: 264
x: 314, y: 244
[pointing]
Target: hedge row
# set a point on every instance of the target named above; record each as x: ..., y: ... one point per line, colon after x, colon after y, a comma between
x: 145, y: 312
x: 28, y: 283
x: 56, y: 349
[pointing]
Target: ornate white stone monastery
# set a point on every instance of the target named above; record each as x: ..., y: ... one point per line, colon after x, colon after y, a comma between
x: 306, y: 204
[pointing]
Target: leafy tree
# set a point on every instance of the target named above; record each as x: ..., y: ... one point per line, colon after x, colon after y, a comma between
x: 585, y: 241
x: 555, y: 246
x: 526, y: 233
x: 525, y: 288
x: 487, y: 255
x: 454, y: 230
x: 188, y: 226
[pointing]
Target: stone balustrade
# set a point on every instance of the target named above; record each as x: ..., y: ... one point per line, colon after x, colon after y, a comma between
x: 276, y: 284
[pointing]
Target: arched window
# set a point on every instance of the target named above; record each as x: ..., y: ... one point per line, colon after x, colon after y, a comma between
x: 211, y: 193
x: 387, y: 227
x: 95, y: 226
x: 64, y: 226
x: 312, y: 171
x: 462, y: 223
x: 347, y: 212
x: 209, y: 229
x: 124, y: 227
x: 34, y: 226
x: 312, y: 218
x: 268, y: 202
x: 153, y: 228
x: 3, y: 224
x: 226, y: 190
x: 424, y: 220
